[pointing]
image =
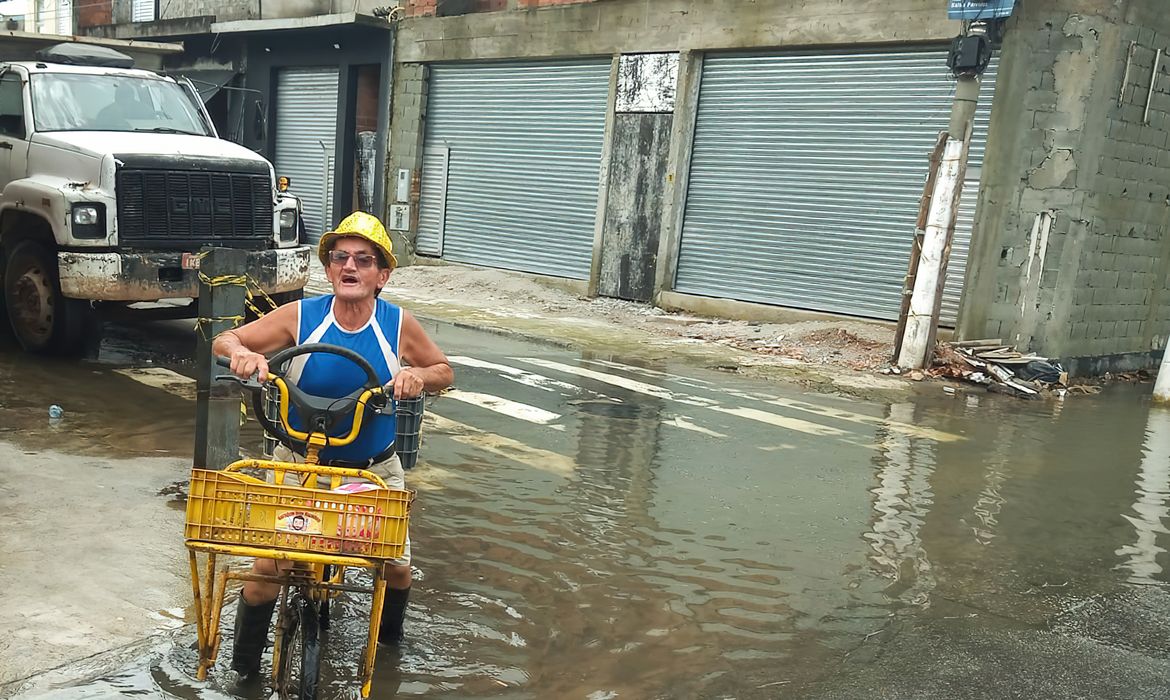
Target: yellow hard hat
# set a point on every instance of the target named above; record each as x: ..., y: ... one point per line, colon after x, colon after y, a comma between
x: 362, y: 225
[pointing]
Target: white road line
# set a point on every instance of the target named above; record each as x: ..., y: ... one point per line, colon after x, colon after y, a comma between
x: 516, y: 374
x: 872, y: 421
x: 501, y: 446
x: 680, y: 422
x: 801, y: 426
x: 629, y: 384
x: 685, y: 381
x: 512, y: 409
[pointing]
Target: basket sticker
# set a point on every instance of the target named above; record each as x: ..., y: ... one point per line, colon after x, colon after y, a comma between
x: 299, y: 521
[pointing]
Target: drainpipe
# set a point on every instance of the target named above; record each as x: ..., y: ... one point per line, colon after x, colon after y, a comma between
x: 917, y: 348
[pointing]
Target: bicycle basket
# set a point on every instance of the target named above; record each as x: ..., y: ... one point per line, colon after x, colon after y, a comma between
x: 410, y: 414
x: 236, y: 509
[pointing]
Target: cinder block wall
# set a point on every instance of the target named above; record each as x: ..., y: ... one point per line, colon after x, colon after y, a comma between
x: 1093, y: 291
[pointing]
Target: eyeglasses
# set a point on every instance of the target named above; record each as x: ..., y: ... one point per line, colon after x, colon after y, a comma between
x: 339, y: 258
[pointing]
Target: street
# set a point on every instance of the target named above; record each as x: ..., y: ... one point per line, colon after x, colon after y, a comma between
x: 594, y: 526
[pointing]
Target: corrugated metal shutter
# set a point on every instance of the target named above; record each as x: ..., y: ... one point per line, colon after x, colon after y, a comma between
x: 306, y: 134
x: 806, y: 176
x: 142, y: 11
x: 65, y: 17
x: 433, y: 198
x: 525, y: 142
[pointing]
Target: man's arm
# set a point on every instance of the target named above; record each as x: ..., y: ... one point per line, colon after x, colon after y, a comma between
x: 429, y: 369
x: 247, y: 345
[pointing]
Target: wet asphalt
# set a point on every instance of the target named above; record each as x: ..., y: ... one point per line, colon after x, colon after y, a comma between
x: 595, y: 526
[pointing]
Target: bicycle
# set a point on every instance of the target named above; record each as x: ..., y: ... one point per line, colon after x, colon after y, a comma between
x: 321, y: 531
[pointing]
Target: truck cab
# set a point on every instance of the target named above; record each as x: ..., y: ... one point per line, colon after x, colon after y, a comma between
x: 112, y: 180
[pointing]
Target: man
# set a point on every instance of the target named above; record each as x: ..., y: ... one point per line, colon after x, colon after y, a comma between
x: 358, y: 261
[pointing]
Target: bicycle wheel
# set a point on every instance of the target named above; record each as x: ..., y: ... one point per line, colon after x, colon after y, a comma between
x: 300, y: 651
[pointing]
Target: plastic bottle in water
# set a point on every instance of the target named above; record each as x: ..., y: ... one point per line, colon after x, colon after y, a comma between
x: 56, y: 411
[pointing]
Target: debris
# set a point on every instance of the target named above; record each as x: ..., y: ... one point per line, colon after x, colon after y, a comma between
x: 1001, y: 368
x: 949, y: 390
x: 917, y: 375
x: 56, y: 411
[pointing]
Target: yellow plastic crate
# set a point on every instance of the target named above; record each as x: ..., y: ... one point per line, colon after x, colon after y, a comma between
x: 233, y: 508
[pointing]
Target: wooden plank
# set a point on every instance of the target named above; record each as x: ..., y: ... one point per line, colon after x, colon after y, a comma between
x: 985, y: 342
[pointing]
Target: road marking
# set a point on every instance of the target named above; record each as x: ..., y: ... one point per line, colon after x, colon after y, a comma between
x: 629, y: 384
x: 512, y: 409
x: 872, y: 421
x: 680, y: 422
x: 161, y: 378
x: 685, y: 381
x: 825, y: 411
x: 501, y: 446
x: 801, y: 426
x: 516, y: 374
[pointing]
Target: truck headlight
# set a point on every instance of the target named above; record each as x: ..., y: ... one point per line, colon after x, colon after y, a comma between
x: 288, y: 219
x: 89, y: 221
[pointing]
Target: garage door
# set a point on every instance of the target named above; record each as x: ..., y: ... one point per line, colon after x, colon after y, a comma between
x: 306, y: 134
x: 511, y: 164
x: 806, y: 176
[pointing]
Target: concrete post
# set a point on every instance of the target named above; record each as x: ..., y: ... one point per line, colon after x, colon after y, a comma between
x: 1162, y: 386
x: 217, y: 404
x: 926, y: 300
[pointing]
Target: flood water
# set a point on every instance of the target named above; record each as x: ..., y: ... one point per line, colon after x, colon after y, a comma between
x: 672, y: 532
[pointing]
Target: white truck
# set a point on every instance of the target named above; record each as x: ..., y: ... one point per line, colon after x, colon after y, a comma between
x: 112, y: 179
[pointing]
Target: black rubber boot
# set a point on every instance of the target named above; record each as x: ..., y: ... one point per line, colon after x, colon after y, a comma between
x: 251, y: 637
x: 393, y: 615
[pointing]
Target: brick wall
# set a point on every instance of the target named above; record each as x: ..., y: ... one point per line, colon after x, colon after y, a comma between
x: 425, y: 8
x: 94, y: 13
x: 1069, y: 138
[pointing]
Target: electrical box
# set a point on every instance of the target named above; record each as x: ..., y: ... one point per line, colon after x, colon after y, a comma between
x: 400, y: 217
x: 402, y: 185
x: 970, y: 55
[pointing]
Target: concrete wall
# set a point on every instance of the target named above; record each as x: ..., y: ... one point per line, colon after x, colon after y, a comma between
x: 633, y: 211
x: 1093, y: 291
x: 636, y: 26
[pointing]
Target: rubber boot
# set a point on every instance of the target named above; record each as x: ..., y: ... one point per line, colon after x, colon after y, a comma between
x: 251, y: 637
x: 393, y: 615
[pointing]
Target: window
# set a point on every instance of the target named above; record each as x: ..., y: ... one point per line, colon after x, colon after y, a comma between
x: 11, y: 106
x: 143, y: 11
x: 112, y: 102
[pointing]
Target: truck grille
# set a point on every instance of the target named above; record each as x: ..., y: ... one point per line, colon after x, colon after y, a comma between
x: 184, y: 209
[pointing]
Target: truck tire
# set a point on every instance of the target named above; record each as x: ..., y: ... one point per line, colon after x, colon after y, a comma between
x: 43, y: 321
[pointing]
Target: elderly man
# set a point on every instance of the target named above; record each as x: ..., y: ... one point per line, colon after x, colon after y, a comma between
x: 358, y: 261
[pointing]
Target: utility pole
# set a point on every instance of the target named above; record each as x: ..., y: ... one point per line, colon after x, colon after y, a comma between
x: 969, y: 57
x: 1162, y: 385
x: 217, y: 404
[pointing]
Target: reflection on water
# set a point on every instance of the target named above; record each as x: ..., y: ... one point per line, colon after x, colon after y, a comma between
x: 1150, y: 509
x: 902, y: 499
x: 717, y: 538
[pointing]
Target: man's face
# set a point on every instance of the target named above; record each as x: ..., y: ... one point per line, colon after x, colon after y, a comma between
x: 353, y: 269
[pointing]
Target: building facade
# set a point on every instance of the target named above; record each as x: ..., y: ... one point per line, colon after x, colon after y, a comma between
x: 750, y: 158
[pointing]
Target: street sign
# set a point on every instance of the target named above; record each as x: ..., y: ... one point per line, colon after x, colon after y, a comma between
x: 980, y: 9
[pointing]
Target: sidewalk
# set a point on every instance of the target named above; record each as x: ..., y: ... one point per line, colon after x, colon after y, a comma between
x: 839, y: 355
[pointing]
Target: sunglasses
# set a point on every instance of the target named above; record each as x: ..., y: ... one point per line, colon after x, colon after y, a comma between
x: 339, y: 258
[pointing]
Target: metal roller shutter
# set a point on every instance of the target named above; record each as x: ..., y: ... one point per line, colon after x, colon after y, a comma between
x: 306, y: 134
x: 806, y: 174
x: 522, y: 144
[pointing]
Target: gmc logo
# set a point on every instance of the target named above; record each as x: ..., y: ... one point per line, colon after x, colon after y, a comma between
x: 194, y: 205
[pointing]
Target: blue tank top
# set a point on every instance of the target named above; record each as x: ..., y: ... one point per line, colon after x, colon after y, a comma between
x: 333, y: 376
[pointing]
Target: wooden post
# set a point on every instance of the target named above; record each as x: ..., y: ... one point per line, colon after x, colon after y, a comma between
x: 217, y: 405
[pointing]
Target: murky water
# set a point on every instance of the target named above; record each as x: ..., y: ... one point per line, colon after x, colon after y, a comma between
x: 675, y: 532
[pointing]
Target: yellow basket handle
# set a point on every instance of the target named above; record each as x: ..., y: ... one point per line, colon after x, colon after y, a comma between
x: 318, y: 469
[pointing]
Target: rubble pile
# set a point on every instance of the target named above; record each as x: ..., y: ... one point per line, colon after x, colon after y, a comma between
x: 1000, y: 368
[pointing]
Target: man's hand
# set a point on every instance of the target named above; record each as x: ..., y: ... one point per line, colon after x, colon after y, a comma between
x: 246, y: 363
x: 407, y: 384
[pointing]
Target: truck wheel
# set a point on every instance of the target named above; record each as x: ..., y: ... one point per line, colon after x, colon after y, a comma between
x: 42, y: 319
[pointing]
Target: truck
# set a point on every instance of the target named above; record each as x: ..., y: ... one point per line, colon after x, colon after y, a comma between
x: 113, y: 179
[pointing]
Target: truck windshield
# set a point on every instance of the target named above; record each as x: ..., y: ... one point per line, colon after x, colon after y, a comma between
x: 80, y: 102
